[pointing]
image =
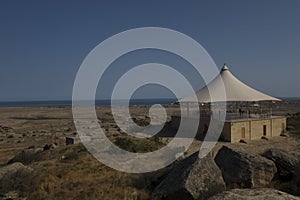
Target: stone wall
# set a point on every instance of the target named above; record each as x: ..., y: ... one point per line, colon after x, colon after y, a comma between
x: 233, y: 130
x: 278, y: 126
x: 254, y: 129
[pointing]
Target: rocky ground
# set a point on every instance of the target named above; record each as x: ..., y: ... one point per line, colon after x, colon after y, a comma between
x: 35, y: 162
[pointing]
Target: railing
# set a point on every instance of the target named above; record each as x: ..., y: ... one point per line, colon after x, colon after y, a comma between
x: 229, y: 116
x: 234, y: 116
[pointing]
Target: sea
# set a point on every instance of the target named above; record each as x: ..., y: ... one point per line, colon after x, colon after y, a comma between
x: 108, y: 102
x: 97, y: 102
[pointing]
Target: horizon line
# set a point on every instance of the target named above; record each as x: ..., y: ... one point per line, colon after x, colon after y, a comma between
x: 57, y: 100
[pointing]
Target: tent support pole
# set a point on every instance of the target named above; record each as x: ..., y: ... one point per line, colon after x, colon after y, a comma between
x: 188, y: 108
x: 236, y: 108
x: 271, y: 109
x: 260, y: 108
x: 247, y: 109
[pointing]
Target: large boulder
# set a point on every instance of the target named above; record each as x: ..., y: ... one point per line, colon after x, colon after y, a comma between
x: 288, y: 165
x: 240, y: 169
x: 191, y: 178
x: 254, y: 194
x: 283, y: 160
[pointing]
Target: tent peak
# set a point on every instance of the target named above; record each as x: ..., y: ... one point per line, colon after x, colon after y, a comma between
x: 224, y: 67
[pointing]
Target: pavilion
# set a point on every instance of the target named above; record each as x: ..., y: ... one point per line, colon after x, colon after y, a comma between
x: 248, y: 111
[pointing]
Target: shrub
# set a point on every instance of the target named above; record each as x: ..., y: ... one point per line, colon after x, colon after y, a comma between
x: 129, y: 145
x: 21, y: 181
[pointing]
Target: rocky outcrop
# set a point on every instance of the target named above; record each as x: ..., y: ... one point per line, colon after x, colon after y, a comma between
x: 12, y: 169
x: 254, y: 194
x: 244, y: 170
x: 283, y: 160
x: 192, y: 178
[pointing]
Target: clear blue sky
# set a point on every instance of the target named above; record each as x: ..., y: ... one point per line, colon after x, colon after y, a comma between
x: 44, y: 42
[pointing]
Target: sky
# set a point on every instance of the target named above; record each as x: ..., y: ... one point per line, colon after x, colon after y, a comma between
x: 43, y: 43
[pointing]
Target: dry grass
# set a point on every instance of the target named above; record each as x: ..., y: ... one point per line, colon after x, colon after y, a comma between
x: 80, y: 176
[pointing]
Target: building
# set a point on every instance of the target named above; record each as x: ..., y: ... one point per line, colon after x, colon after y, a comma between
x: 248, y: 111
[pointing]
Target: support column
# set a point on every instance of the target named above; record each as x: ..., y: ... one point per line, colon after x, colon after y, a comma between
x: 271, y: 126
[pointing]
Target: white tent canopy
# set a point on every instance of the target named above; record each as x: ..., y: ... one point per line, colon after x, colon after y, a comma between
x: 235, y: 90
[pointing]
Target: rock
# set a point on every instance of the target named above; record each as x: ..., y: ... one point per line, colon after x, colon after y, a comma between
x: 284, y: 135
x: 283, y: 160
x: 240, y: 169
x: 15, y: 180
x: 191, y: 178
x: 254, y: 194
x: 5, y: 129
x: 26, y: 156
x: 38, y: 150
x: 264, y: 138
x: 63, y: 157
x: 11, y: 195
x: 290, y: 128
x: 49, y: 146
x: 67, y: 129
x: 13, y: 168
x: 243, y: 141
x: 10, y: 136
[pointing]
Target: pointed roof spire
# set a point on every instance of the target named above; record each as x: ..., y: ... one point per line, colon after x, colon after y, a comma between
x: 224, y: 67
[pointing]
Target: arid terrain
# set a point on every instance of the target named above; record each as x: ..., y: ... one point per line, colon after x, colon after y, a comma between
x: 36, y: 163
